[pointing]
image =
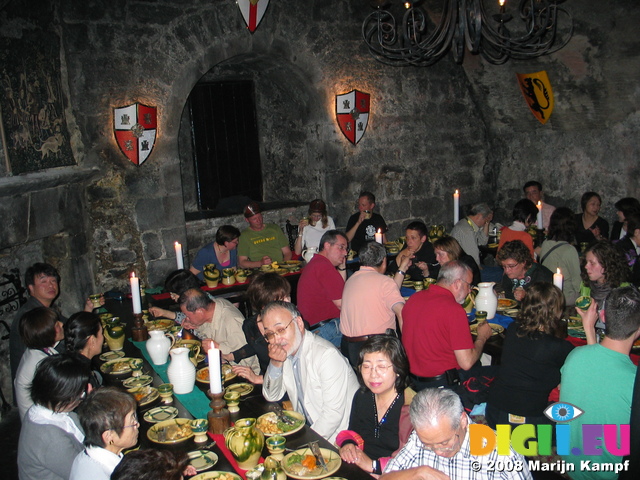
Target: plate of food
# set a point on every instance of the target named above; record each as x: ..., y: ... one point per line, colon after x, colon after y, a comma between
x: 163, y: 324
x: 242, y: 388
x: 575, y: 322
x: 495, y: 329
x: 270, y: 425
x: 171, y: 431
x: 217, y: 476
x: 119, y: 366
x: 160, y: 414
x: 506, y: 304
x: 144, y: 395
x: 302, y: 464
x: 112, y: 355
x: 202, y: 459
x: 202, y: 375
x: 141, y: 381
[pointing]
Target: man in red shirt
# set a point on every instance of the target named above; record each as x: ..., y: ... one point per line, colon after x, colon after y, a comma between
x: 436, y: 332
x: 321, y: 284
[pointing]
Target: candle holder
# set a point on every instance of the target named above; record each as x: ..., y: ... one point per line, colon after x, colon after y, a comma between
x: 139, y: 332
x: 218, y: 416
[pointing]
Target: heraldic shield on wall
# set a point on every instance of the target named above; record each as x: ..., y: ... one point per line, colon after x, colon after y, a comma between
x: 352, y: 111
x: 538, y: 94
x: 135, y: 127
x: 252, y: 12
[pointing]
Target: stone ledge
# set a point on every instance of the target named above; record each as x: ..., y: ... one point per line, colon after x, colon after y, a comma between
x: 54, y: 177
x: 266, y: 206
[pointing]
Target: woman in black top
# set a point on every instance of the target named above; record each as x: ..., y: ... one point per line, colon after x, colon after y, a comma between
x: 590, y: 227
x: 374, y: 424
x: 448, y: 249
x: 534, y: 352
x: 83, y: 335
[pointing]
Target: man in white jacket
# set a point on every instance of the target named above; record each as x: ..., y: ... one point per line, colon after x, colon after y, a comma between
x: 318, y: 379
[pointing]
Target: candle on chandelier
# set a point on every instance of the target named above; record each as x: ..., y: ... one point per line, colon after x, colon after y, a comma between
x: 135, y: 293
x: 456, y: 207
x: 558, y: 279
x: 179, y: 259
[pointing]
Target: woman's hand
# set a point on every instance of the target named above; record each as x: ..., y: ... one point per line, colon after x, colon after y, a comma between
x: 424, y: 266
x: 352, y: 454
x: 303, y: 223
x: 519, y: 294
x: 247, y: 373
x: 161, y: 312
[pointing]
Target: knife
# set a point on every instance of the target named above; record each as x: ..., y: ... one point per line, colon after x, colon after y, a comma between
x: 284, y: 418
x: 315, y: 449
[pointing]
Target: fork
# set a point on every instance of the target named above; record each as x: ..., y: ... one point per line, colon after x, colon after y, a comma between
x: 281, y: 415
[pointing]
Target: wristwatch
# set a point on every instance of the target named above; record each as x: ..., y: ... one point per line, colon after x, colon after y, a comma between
x: 401, y: 272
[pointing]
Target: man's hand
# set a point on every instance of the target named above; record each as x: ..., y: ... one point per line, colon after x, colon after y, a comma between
x: 266, y: 260
x: 208, y: 343
x: 589, y: 320
x: 484, y: 331
x: 161, y: 312
x: 277, y: 354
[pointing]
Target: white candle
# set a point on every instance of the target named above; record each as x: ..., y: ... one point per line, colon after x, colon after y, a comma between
x: 215, y: 378
x: 558, y: 279
x: 378, y: 236
x: 539, y: 215
x: 135, y: 293
x: 456, y: 207
x: 179, y: 260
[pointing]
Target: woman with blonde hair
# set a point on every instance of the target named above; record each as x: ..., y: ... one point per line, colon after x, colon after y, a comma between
x: 448, y: 249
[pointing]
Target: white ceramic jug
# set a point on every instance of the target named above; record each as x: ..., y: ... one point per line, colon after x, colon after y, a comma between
x: 181, y: 372
x: 486, y: 299
x: 308, y: 253
x: 159, y: 345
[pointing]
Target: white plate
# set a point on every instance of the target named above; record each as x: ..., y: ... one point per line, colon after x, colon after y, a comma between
x: 141, y: 381
x: 271, y: 416
x: 152, y: 434
x: 202, y: 459
x: 160, y: 414
x: 331, y: 458
x: 113, y: 355
x: 147, y: 394
x: 123, y: 363
x: 242, y: 388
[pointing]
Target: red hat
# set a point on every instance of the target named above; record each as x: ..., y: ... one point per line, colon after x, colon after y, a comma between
x: 252, y: 209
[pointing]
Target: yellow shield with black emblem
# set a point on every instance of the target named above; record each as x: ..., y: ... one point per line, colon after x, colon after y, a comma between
x: 538, y: 94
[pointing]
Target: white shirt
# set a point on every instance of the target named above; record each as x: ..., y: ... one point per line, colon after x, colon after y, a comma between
x: 94, y: 463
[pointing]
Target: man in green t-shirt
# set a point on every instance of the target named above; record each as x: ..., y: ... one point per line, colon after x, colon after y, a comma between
x: 261, y: 243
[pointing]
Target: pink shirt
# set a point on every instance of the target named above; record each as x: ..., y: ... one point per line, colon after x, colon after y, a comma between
x: 367, y: 302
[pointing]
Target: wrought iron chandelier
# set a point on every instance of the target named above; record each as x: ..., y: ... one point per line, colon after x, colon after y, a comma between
x: 413, y: 40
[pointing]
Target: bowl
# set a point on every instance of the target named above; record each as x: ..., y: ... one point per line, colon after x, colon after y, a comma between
x: 583, y: 303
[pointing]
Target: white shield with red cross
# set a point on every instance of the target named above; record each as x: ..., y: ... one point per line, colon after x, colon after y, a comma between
x: 252, y: 12
x: 352, y: 111
x: 135, y: 127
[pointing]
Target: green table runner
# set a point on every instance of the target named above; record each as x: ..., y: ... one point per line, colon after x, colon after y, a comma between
x: 196, y: 402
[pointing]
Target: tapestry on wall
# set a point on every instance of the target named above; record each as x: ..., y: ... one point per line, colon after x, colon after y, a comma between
x: 32, y: 107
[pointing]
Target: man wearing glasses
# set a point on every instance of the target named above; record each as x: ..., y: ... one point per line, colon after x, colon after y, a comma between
x: 439, y: 447
x: 436, y: 333
x: 318, y: 379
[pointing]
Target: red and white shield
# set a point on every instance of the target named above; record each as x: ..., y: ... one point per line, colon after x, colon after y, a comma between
x: 252, y: 12
x: 135, y: 127
x: 352, y: 110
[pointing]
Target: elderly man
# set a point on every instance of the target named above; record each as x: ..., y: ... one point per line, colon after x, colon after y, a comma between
x: 43, y: 282
x: 473, y: 230
x: 318, y: 379
x: 533, y: 191
x: 362, y: 226
x: 321, y: 284
x: 371, y: 301
x: 261, y: 243
x: 598, y: 379
x: 439, y: 446
x: 217, y: 322
x: 436, y: 333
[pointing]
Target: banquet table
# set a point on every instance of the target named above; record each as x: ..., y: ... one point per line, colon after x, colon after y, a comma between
x: 196, y: 405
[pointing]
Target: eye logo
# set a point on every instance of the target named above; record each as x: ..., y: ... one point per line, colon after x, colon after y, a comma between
x: 562, y: 412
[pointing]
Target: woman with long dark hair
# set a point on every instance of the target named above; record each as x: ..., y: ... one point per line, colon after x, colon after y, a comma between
x: 590, y: 226
x: 83, y: 335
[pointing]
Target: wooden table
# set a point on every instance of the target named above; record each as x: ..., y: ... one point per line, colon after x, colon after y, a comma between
x: 251, y: 406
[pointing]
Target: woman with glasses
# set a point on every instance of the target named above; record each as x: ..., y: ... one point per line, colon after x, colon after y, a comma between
x: 41, y: 331
x: 534, y: 352
x: 375, y: 426
x: 311, y: 229
x: 108, y: 417
x: 83, y: 335
x: 222, y: 252
x: 520, y: 272
x: 50, y: 437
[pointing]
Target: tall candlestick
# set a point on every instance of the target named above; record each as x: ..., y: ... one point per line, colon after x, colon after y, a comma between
x: 215, y: 377
x: 456, y: 207
x: 179, y: 260
x: 558, y: 279
x: 135, y: 293
x: 539, y: 215
x: 378, y: 236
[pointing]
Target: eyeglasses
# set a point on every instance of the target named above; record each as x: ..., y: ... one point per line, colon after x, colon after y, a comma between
x: 443, y: 447
x: 135, y: 423
x: 279, y: 331
x: 510, y: 267
x: 471, y: 285
x: 379, y: 369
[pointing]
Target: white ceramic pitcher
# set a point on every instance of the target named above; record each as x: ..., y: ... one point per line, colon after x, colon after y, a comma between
x: 181, y: 372
x: 486, y: 299
x: 158, y: 346
x: 308, y: 253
